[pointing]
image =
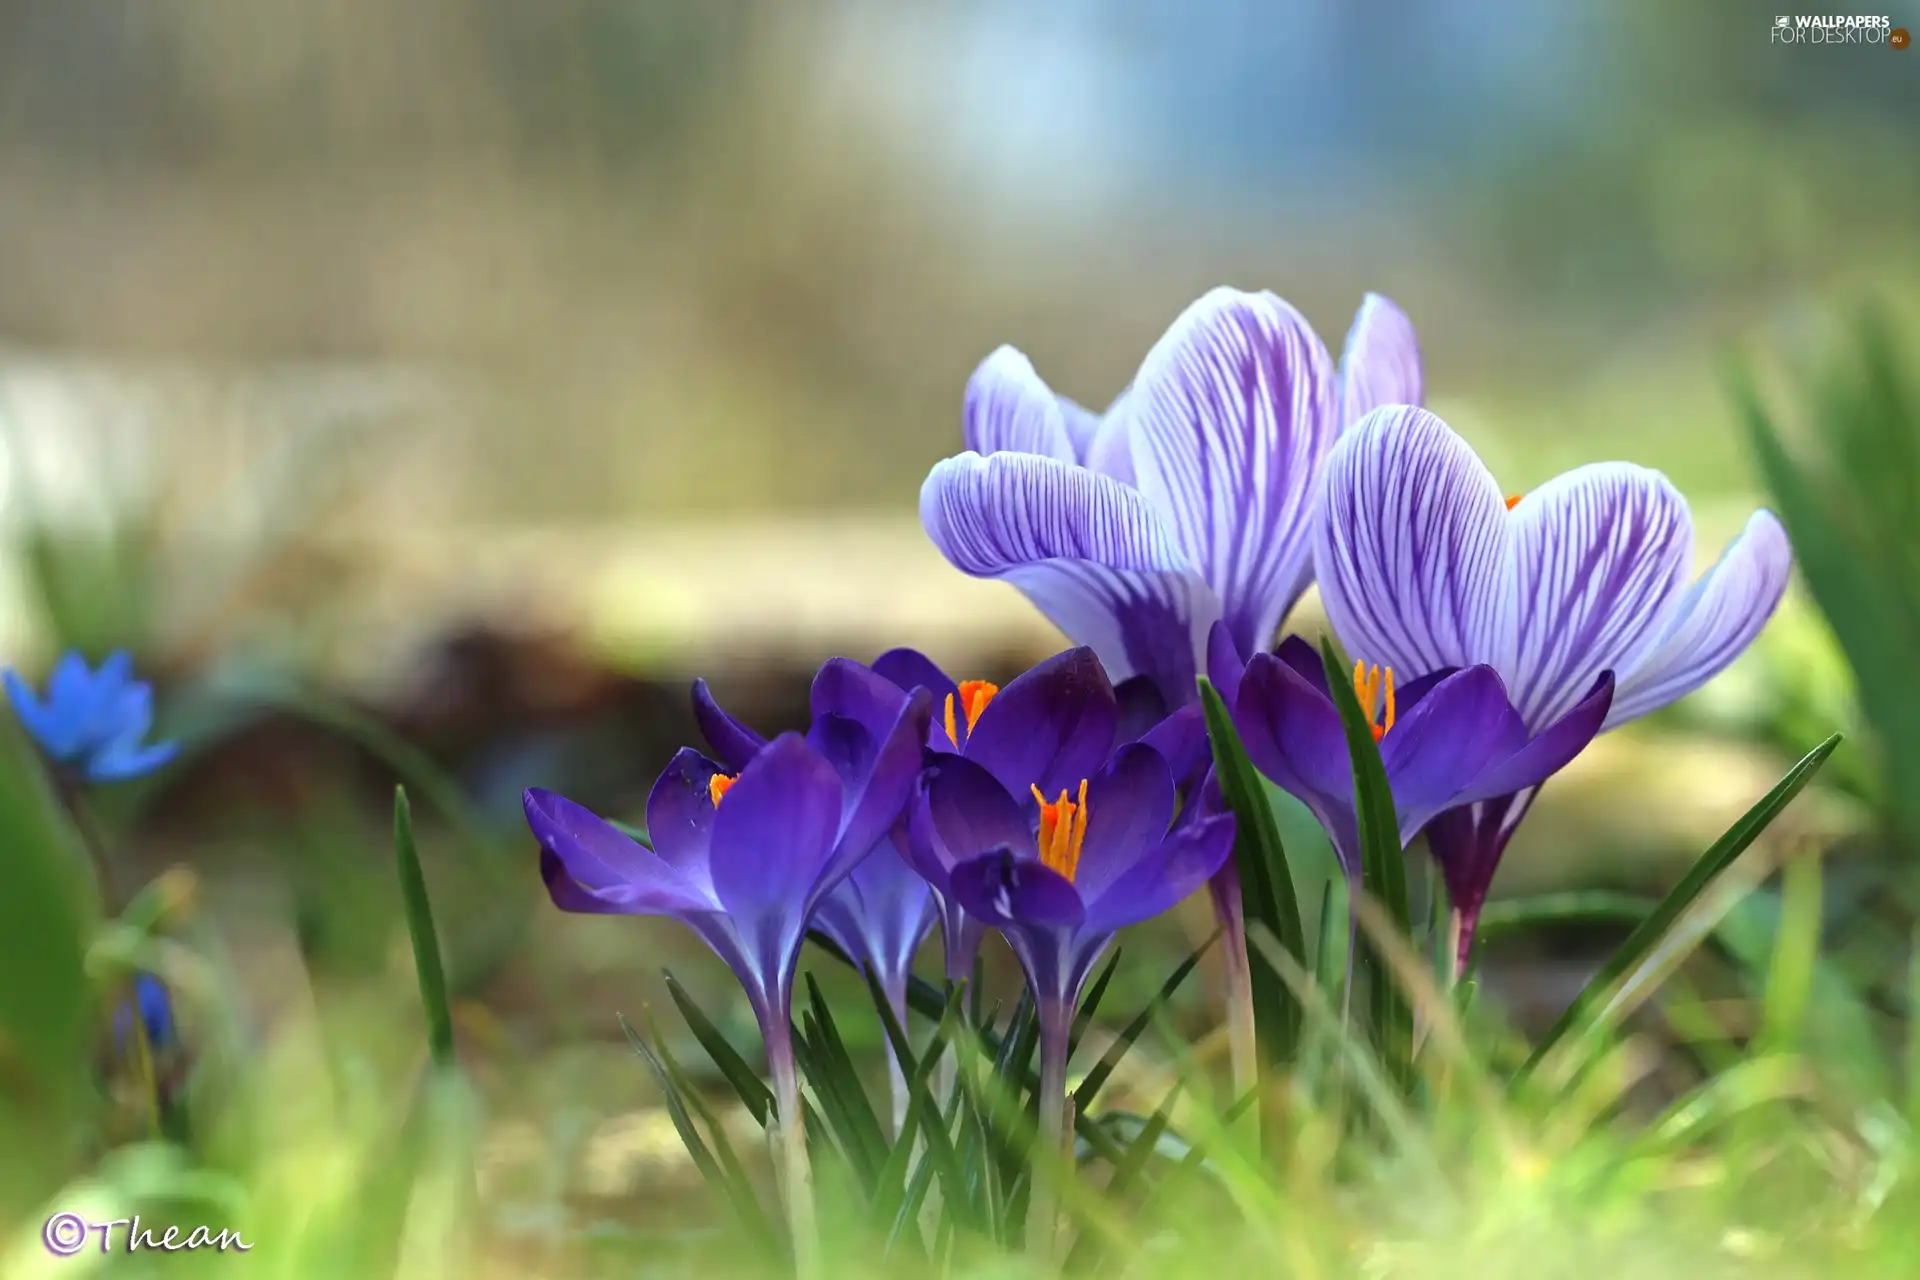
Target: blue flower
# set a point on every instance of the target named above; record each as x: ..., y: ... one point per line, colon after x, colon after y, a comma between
x: 155, y: 1006
x: 92, y: 722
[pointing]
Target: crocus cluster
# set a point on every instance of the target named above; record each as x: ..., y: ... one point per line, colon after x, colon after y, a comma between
x: 910, y: 798
x: 1169, y: 538
x: 1495, y: 634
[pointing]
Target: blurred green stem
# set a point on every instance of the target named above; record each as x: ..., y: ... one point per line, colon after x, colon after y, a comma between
x: 796, y: 1174
x: 1242, y: 1049
x: 93, y: 839
x: 1043, y: 1214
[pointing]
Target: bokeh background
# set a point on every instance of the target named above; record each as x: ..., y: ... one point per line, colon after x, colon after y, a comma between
x: 466, y: 377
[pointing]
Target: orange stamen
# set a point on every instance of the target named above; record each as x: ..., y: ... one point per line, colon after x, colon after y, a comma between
x: 1063, y: 829
x: 974, y: 696
x: 1369, y: 683
x: 718, y: 786
x: 1513, y: 500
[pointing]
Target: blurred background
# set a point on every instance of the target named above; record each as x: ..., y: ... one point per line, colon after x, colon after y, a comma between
x: 433, y: 389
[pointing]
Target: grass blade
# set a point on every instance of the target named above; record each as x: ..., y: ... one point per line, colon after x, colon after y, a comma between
x: 1090, y: 1002
x: 746, y: 1082
x: 730, y: 1179
x: 1705, y: 870
x: 426, y: 941
x: 1576, y: 907
x: 1266, y: 891
x: 1383, y: 867
x: 1103, y: 1070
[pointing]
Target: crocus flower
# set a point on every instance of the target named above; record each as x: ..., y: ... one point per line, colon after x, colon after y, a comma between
x: 1448, y: 739
x: 1191, y: 499
x: 1424, y: 566
x: 1050, y: 727
x: 744, y: 860
x: 1059, y: 877
x: 92, y: 723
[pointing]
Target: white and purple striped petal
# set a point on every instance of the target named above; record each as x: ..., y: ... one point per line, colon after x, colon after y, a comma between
x: 1010, y: 409
x: 1380, y: 363
x: 1715, y: 621
x: 1229, y: 420
x: 1600, y: 556
x: 1090, y: 553
x: 1412, y: 552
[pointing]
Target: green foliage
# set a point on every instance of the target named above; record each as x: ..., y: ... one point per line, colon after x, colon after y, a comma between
x: 1847, y: 491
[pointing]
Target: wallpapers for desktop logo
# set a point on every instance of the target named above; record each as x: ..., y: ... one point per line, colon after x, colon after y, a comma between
x: 1805, y: 28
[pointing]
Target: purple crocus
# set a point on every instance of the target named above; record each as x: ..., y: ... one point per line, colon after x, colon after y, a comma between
x: 1450, y: 738
x: 1192, y: 499
x: 744, y: 860
x: 1049, y: 727
x: 1059, y: 877
x: 1425, y: 566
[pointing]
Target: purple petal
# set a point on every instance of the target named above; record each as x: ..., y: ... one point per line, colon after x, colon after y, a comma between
x: 566, y: 892
x: 1440, y: 746
x: 1380, y: 364
x: 1164, y: 875
x: 1293, y: 734
x: 872, y: 808
x: 962, y: 812
x: 1408, y: 695
x: 1600, y: 555
x: 680, y: 813
x: 619, y: 874
x: 1050, y: 727
x: 880, y: 913
x: 1412, y: 553
x: 733, y: 743
x: 1009, y: 409
x: 1129, y: 807
x: 909, y: 669
x: 1082, y: 427
x: 1547, y: 754
x: 1181, y: 740
x: 1009, y: 891
x: 1305, y: 661
x: 1467, y: 843
x: 847, y: 746
x: 1110, y: 452
x: 1142, y: 706
x: 1714, y: 623
x: 1230, y: 419
x: 773, y: 833
x: 1089, y: 552
x: 1225, y: 665
x: 843, y: 687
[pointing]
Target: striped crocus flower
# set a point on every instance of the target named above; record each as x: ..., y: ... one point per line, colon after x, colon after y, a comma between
x: 1425, y: 565
x: 1191, y: 499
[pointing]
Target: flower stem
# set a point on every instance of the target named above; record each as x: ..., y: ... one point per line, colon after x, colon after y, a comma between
x: 1242, y: 1050
x: 796, y: 1174
x: 1043, y: 1213
x: 896, y: 991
